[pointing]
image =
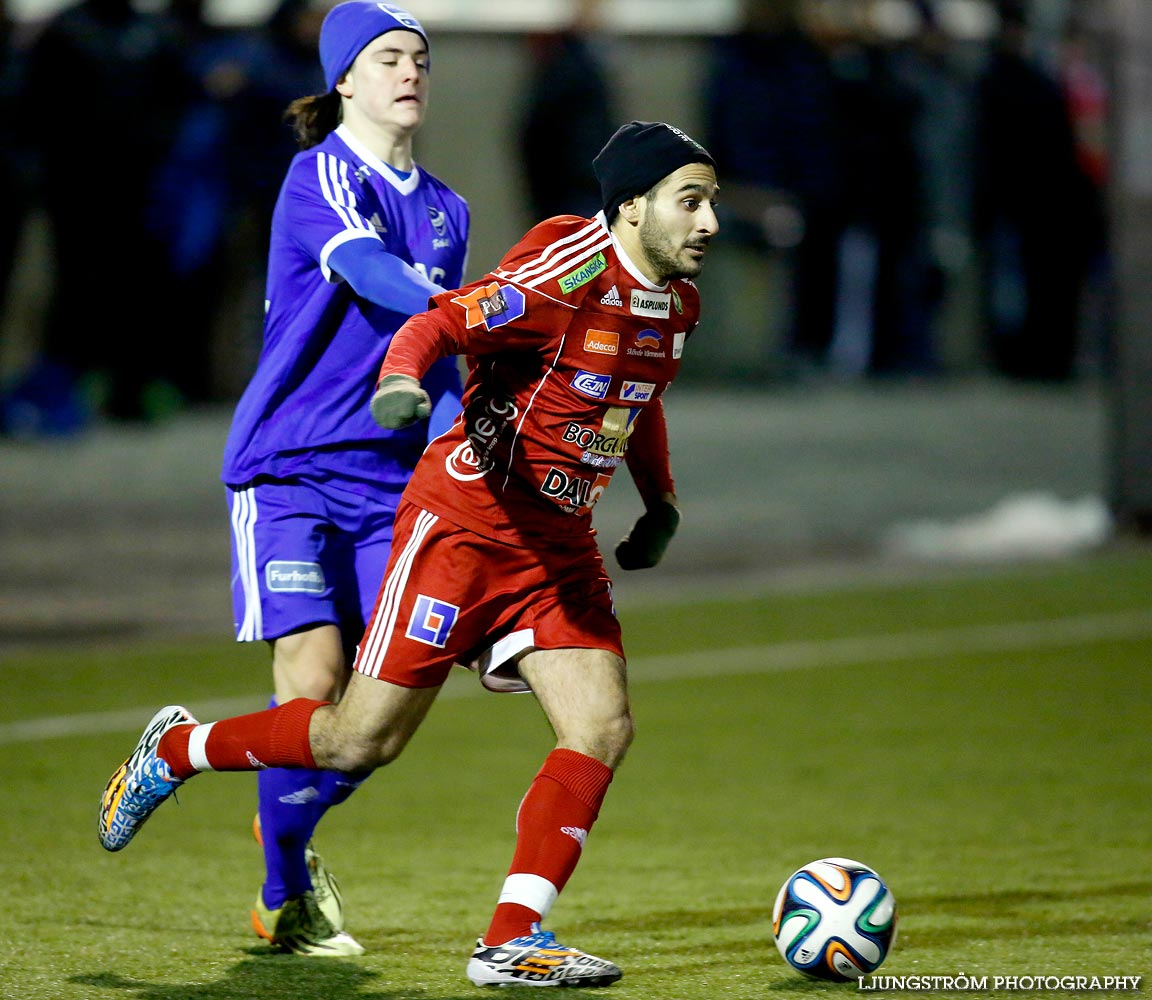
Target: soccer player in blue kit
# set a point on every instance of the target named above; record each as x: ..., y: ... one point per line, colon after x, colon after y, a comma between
x: 361, y: 238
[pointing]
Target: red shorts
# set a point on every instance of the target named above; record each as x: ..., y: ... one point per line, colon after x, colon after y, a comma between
x: 451, y: 596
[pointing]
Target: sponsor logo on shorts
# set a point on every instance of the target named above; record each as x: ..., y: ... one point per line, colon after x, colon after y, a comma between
x: 656, y: 305
x: 591, y: 384
x: 601, y: 342
x: 583, y: 274
x: 283, y: 577
x: 637, y: 392
x: 432, y: 621
x: 492, y: 304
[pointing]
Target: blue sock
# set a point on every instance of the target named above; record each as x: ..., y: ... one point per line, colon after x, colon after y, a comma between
x: 292, y: 803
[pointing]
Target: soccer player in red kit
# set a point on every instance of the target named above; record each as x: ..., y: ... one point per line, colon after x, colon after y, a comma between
x: 570, y: 343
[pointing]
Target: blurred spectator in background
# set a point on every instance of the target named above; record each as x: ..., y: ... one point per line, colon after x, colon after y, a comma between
x: 568, y: 116
x: 103, y: 87
x: 1087, y: 93
x: 1034, y: 207
x: 884, y: 301
x: 770, y: 121
x: 15, y: 168
x: 213, y: 201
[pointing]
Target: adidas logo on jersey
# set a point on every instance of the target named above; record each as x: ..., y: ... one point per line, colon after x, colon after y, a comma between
x: 612, y: 298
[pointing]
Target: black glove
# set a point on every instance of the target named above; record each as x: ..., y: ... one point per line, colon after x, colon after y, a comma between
x: 643, y: 547
x: 399, y: 401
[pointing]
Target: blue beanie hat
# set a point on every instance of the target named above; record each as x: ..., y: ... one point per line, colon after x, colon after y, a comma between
x: 350, y: 26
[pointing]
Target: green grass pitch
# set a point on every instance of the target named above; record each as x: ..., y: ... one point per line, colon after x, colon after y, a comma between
x: 981, y: 739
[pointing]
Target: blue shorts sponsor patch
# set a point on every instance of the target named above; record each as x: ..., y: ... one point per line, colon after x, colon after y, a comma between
x: 294, y: 577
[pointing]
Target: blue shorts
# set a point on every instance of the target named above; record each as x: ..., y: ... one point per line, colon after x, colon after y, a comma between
x: 306, y: 553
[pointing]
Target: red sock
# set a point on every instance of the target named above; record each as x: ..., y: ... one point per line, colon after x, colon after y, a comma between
x: 276, y: 737
x: 551, y: 826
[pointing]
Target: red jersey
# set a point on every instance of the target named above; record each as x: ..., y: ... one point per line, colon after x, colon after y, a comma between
x: 569, y: 348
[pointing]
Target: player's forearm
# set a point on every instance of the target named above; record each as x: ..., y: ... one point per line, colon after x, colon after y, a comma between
x: 648, y: 458
x: 381, y: 277
x: 425, y: 338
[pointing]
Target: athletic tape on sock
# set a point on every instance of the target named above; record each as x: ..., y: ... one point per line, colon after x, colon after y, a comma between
x: 532, y: 891
x: 197, y: 740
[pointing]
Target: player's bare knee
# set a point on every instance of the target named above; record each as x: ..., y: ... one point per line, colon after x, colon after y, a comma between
x: 609, y: 741
x: 354, y: 755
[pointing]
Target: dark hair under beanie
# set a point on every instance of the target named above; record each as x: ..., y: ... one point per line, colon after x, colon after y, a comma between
x: 638, y: 156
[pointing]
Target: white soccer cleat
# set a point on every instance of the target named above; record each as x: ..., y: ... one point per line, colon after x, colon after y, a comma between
x: 537, y: 960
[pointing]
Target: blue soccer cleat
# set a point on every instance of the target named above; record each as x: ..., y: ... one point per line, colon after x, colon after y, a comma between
x: 537, y: 960
x: 141, y: 783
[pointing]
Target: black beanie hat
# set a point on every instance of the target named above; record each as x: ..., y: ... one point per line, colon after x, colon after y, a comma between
x: 638, y: 156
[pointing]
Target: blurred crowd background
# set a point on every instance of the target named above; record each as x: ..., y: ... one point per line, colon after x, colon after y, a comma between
x: 911, y: 188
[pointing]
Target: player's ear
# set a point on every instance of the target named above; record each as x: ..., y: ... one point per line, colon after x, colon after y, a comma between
x: 630, y: 209
x: 344, y: 86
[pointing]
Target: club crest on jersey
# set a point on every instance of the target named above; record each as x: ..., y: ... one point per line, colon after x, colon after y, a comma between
x: 637, y: 392
x: 654, y: 305
x: 432, y: 620
x: 591, y: 384
x: 492, y: 304
x: 440, y: 227
x: 649, y: 344
x: 601, y: 342
x: 583, y: 274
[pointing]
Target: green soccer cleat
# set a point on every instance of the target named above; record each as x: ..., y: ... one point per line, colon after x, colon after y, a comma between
x: 537, y: 960
x: 328, y: 895
x: 141, y: 783
x: 300, y: 927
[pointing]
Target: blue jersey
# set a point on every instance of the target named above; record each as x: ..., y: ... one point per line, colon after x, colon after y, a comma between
x: 307, y: 409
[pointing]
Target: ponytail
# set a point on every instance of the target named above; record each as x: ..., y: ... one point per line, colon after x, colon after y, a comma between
x: 312, y: 118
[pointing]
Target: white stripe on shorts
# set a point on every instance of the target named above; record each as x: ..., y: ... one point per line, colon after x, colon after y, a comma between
x: 244, y: 532
x: 375, y: 646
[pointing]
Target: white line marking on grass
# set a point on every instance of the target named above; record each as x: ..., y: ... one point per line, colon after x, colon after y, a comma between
x: 766, y: 658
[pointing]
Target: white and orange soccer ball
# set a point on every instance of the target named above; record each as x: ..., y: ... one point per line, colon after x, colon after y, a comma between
x: 834, y: 919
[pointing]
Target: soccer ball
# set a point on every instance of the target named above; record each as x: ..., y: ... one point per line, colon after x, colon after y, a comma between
x: 834, y: 919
